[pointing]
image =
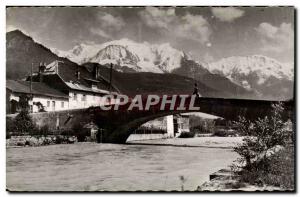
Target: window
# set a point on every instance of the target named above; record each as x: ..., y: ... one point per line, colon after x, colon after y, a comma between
x: 62, y: 104
x: 109, y: 100
x: 75, y: 97
x: 83, y: 98
x: 48, y: 103
x: 53, y: 105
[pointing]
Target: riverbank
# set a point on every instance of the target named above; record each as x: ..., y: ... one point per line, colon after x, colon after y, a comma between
x: 225, y: 180
x: 277, y: 174
x: 22, y: 141
x: 207, y: 142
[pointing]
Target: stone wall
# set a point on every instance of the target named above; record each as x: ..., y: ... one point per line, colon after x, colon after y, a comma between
x: 63, y: 119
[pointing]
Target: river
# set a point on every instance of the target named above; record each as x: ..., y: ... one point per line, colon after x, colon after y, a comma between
x: 112, y: 167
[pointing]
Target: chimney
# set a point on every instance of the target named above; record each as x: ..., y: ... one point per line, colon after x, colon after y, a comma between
x: 41, y: 71
x: 95, y: 71
x: 77, y: 74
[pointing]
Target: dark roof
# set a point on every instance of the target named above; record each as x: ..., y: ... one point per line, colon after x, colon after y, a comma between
x: 38, y: 88
x: 90, y: 66
x: 67, y: 72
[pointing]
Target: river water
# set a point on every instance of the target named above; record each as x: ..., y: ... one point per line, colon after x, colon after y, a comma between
x: 112, y: 167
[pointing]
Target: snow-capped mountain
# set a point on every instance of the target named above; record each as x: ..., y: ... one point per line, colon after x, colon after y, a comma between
x: 263, y: 76
x: 140, y: 57
x: 257, y: 72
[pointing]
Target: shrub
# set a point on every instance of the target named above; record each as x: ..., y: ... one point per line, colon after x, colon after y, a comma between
x: 80, y: 132
x: 186, y: 134
x: 10, y: 127
x: 278, y: 171
x: 281, y: 169
x: 220, y: 133
x: 66, y: 132
x: 261, y: 136
x: 59, y: 139
x: 23, y: 123
x: 45, y: 130
x: 224, y: 132
x: 200, y: 125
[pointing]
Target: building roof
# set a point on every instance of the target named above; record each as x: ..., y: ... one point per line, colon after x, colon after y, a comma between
x: 201, y: 115
x: 38, y: 88
x: 67, y: 72
x: 80, y: 87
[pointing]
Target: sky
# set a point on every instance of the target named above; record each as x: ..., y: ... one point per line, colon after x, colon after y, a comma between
x: 206, y: 33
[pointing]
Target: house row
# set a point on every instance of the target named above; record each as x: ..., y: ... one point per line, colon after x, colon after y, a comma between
x: 60, y: 86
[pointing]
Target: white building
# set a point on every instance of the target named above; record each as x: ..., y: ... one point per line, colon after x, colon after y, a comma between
x: 40, y: 97
x: 84, y: 88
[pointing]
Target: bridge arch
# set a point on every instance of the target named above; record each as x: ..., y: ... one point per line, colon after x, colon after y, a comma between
x: 118, y: 125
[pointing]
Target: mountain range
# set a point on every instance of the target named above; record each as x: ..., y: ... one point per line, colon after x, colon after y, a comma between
x: 268, y: 77
x: 255, y: 76
x: 23, y: 53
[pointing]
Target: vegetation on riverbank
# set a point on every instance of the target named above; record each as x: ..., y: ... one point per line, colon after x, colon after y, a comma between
x: 267, y: 151
x: 277, y: 171
x: 266, y: 159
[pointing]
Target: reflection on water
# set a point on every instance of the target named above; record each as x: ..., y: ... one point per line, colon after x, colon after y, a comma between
x: 111, y: 167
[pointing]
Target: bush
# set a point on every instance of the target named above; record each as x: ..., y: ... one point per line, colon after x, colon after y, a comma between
x: 225, y: 132
x: 80, y: 132
x: 22, y: 124
x: 45, y: 130
x: 262, y: 136
x: 186, y: 135
x: 278, y: 171
x: 10, y: 127
x: 66, y: 132
x: 281, y: 169
x: 201, y: 126
x: 220, y: 133
x: 59, y: 139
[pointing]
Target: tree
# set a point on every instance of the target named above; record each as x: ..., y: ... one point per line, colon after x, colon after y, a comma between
x: 261, y: 136
x: 23, y: 123
x: 24, y: 99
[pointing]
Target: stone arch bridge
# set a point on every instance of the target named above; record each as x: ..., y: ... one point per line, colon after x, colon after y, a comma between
x: 117, y: 125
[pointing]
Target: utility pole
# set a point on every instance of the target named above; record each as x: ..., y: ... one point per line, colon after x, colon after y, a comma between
x: 31, y: 71
x: 31, y: 96
x: 110, y: 77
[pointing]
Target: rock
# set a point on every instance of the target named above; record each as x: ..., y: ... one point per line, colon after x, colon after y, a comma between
x: 274, y: 150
